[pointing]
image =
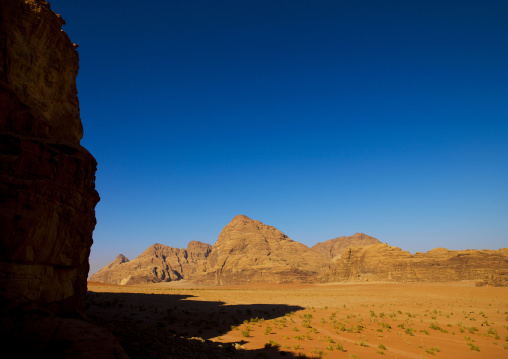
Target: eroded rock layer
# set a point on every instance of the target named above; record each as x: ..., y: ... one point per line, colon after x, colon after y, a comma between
x: 47, y: 179
x: 381, y: 262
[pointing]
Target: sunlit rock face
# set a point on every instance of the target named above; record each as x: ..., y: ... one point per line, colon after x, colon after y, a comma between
x: 333, y: 248
x: 248, y: 251
x: 47, y: 179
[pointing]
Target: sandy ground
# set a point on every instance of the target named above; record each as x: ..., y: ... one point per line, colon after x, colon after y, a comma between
x: 340, y: 320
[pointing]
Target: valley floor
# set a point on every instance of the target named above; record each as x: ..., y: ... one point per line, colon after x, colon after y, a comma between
x: 338, y: 320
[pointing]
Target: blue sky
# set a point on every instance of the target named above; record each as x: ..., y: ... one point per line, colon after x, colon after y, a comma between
x: 321, y: 118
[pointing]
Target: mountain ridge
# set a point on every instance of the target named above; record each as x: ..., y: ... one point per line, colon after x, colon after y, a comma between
x: 249, y: 251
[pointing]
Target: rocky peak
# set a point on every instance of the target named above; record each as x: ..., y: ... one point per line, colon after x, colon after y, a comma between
x: 333, y: 248
x: 121, y: 259
x: 249, y: 251
x: 198, y: 250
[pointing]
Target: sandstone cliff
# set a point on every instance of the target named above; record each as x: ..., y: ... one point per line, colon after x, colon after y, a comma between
x: 47, y: 180
x: 248, y: 251
x: 381, y: 262
x: 47, y: 191
x: 156, y: 264
x: 333, y: 248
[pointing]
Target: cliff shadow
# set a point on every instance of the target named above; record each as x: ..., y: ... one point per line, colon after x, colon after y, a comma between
x: 181, y: 325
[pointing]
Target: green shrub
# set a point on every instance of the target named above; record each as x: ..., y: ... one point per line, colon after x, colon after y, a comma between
x: 473, y: 347
x: 272, y: 344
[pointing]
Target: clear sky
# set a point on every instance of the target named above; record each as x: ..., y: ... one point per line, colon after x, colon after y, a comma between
x: 321, y: 118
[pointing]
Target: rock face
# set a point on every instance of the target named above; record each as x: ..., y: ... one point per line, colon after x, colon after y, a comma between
x: 158, y: 263
x: 47, y: 180
x: 47, y: 191
x: 381, y: 262
x: 248, y: 251
x: 334, y: 248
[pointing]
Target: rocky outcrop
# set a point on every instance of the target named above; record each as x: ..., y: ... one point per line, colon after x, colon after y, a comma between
x: 156, y: 264
x: 333, y: 248
x: 47, y: 180
x: 248, y: 251
x: 381, y: 262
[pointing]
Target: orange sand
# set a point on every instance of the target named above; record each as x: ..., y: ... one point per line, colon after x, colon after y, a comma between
x: 411, y: 320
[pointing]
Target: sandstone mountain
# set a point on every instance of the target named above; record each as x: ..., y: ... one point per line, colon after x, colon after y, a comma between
x: 248, y: 251
x: 381, y: 262
x: 158, y: 263
x: 334, y: 248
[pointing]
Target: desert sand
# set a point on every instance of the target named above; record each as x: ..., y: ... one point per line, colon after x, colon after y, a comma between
x: 333, y: 320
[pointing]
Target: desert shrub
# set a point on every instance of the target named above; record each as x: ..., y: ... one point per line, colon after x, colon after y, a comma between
x: 381, y: 346
x: 473, y: 347
x: 425, y: 331
x: 472, y: 330
x: 363, y: 343
x: 432, y: 350
x: 268, y: 330
x: 318, y: 353
x: 340, y: 347
x: 492, y: 331
x: 295, y: 329
x: 386, y: 325
x: 409, y: 331
x: 272, y: 344
x: 330, y: 340
x: 246, y: 333
x: 306, y: 324
x: 340, y: 326
x: 435, y: 326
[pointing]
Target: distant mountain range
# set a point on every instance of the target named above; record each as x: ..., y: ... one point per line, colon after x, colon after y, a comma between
x: 248, y: 251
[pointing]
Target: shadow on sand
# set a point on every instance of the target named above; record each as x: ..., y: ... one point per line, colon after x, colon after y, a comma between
x: 178, y: 326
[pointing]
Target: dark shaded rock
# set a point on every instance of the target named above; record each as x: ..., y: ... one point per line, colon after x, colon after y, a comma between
x: 47, y: 180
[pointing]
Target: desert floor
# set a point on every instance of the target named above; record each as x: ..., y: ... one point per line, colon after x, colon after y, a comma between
x: 340, y: 320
